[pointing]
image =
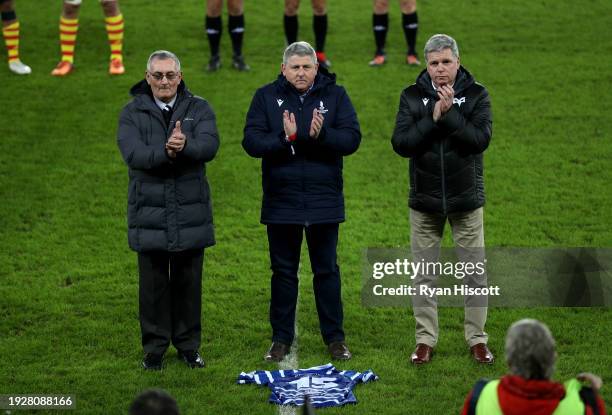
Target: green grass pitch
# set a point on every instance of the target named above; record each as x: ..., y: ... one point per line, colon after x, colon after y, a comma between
x: 68, y: 282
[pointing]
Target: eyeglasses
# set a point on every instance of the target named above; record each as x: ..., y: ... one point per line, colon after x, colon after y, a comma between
x: 170, y: 76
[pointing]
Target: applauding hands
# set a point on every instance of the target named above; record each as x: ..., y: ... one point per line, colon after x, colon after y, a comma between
x: 290, y: 126
x: 446, y: 94
x: 316, y: 124
x: 176, y: 142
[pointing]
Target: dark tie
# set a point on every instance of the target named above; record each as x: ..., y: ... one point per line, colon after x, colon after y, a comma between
x: 167, y: 113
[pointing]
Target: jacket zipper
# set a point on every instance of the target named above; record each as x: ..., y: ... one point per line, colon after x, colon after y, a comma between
x: 443, y: 177
x: 302, y: 159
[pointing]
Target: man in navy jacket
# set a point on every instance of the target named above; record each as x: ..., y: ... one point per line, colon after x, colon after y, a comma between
x: 301, y: 126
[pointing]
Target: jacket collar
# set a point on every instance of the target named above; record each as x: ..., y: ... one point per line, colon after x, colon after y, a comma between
x: 143, y: 96
x: 532, y: 388
x: 463, y: 81
x: 323, y: 79
x: 518, y: 396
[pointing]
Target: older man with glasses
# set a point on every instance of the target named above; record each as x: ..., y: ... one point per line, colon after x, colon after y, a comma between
x: 166, y: 135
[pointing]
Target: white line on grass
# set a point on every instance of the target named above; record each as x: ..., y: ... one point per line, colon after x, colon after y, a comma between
x: 291, y: 360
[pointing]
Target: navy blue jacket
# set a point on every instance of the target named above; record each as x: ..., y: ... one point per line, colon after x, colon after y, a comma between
x: 305, y: 187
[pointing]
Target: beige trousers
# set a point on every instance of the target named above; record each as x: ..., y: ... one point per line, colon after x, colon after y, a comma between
x: 426, y: 230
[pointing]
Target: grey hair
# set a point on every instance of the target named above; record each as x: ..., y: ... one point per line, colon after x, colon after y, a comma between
x: 530, y: 349
x: 163, y: 55
x: 439, y: 42
x: 299, y: 49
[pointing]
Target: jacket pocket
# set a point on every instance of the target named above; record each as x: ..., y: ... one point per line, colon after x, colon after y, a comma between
x: 412, y: 176
x: 475, y: 182
x: 133, y: 202
x: 204, y: 191
x: 133, y: 192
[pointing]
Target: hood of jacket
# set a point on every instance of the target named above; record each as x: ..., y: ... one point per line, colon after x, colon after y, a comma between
x: 463, y: 81
x: 519, y: 396
x: 323, y: 79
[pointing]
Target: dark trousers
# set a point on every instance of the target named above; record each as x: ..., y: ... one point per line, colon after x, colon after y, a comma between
x: 170, y: 299
x: 285, y: 243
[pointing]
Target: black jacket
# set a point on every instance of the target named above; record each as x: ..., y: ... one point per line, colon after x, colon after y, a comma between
x: 305, y: 187
x: 446, y: 166
x: 169, y: 205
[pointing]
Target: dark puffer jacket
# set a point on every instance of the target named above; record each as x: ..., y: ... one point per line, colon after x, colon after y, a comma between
x: 169, y: 206
x: 305, y: 187
x: 446, y: 163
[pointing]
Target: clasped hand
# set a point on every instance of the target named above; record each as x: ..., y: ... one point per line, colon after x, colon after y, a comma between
x: 176, y: 142
x: 446, y: 95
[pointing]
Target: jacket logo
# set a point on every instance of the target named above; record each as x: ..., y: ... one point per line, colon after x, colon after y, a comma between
x: 280, y: 102
x: 321, y: 109
x: 425, y: 101
x: 459, y: 101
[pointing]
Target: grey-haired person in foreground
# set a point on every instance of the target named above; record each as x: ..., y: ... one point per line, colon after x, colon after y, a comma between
x: 529, y: 388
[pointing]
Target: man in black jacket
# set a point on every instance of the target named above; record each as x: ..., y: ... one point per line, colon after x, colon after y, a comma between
x: 166, y: 135
x: 301, y: 126
x: 444, y: 125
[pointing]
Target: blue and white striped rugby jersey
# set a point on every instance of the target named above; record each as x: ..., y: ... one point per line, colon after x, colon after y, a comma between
x: 324, y: 385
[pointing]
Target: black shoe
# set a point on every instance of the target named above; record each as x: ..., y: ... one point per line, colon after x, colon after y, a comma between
x: 214, y: 63
x: 239, y: 63
x: 277, y: 352
x: 192, y: 358
x: 152, y: 361
x: 339, y: 351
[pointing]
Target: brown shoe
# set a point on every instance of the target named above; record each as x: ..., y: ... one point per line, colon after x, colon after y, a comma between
x: 481, y: 353
x: 422, y: 354
x: 339, y: 351
x: 277, y: 352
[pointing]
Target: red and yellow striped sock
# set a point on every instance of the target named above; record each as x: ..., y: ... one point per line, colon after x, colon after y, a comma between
x: 11, y: 39
x: 114, y: 29
x: 68, y: 35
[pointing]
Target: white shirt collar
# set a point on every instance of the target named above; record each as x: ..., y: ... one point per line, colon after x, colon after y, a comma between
x: 161, y: 104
